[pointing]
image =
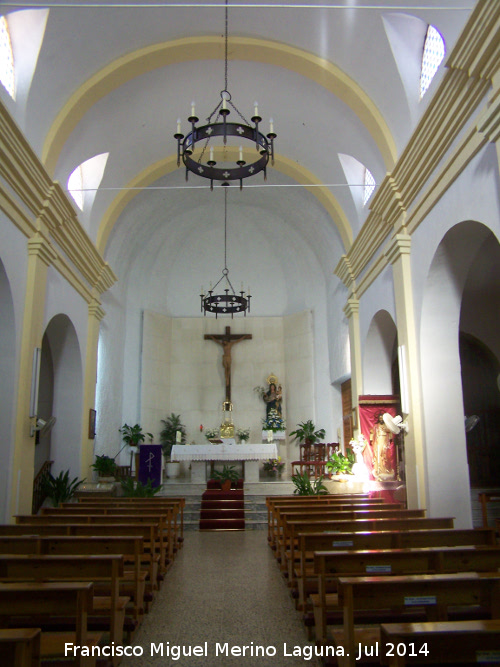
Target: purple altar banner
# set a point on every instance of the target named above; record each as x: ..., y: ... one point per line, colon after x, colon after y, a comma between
x: 150, y: 464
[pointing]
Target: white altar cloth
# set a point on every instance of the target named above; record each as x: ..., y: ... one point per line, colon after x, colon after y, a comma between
x: 224, y: 452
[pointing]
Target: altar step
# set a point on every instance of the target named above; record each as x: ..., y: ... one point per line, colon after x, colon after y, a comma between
x: 225, y: 511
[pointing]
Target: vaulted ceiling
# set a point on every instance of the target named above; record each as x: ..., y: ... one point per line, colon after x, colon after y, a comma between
x: 336, y: 78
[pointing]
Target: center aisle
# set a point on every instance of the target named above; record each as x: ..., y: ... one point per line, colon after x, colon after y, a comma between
x: 224, y: 588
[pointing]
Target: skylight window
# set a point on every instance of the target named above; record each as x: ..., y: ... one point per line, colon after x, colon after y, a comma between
x: 433, y: 54
x: 84, y: 181
x: 7, y: 75
x: 369, y: 186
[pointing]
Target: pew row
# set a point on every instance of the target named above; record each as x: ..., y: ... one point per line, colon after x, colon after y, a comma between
x: 104, y: 570
x: 129, y: 547
x: 40, y: 600
x: 433, y: 595
x: 330, y: 566
x: 308, y: 543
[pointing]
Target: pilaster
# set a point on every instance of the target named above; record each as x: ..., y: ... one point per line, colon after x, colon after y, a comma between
x: 95, y: 315
x: 351, y: 310
x: 398, y: 253
x: 40, y: 256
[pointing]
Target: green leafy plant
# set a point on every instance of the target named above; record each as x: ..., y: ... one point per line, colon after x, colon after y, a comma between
x: 227, y: 474
x: 105, y: 466
x: 60, y: 489
x: 340, y: 464
x: 133, y: 435
x: 168, y: 435
x: 306, y: 433
x: 132, y: 489
x: 304, y: 486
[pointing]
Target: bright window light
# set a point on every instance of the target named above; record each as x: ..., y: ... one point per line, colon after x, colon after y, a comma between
x: 84, y: 181
x: 75, y: 186
x: 369, y: 186
x: 433, y: 54
x: 7, y: 75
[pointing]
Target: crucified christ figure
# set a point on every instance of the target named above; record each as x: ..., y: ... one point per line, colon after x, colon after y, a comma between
x: 227, y: 341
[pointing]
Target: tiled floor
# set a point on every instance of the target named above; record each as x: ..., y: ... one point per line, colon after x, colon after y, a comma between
x: 224, y: 588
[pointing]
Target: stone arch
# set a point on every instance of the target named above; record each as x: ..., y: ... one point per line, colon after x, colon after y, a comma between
x: 61, y: 394
x: 442, y: 397
x: 7, y: 386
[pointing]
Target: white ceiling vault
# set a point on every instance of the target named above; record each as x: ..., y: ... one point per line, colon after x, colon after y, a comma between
x: 114, y: 77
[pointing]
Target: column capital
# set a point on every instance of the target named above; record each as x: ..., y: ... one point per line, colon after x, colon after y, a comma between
x: 399, y: 245
x: 352, y: 307
x: 95, y: 310
x: 40, y: 247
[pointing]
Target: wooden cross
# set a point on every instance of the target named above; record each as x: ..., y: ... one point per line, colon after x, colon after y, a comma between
x: 227, y: 341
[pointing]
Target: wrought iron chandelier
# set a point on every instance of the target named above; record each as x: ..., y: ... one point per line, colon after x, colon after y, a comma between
x: 227, y: 301
x: 217, y: 125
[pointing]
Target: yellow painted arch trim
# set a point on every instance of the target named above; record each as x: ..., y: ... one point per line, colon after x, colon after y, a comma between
x: 169, y: 164
x: 144, y: 60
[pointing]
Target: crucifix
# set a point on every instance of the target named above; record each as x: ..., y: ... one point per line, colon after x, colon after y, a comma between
x: 227, y: 341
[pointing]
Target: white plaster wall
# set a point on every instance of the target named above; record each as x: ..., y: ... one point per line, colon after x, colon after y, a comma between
x: 183, y: 373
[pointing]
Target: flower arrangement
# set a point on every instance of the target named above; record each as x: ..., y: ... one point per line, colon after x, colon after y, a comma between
x: 243, y: 434
x: 273, y: 422
x: 211, y: 433
x: 274, y: 465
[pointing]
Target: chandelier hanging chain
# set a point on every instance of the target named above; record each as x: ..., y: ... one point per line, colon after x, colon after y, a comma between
x: 192, y: 148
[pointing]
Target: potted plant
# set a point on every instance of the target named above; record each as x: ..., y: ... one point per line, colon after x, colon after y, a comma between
x: 304, y: 486
x: 105, y: 467
x: 59, y: 489
x: 212, y: 434
x: 226, y: 477
x: 340, y: 465
x: 274, y: 467
x: 133, y: 489
x: 173, y: 433
x: 306, y: 433
x: 243, y: 434
x: 133, y: 435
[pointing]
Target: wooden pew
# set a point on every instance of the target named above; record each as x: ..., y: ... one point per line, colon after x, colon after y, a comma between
x: 74, y: 599
x: 20, y: 647
x: 349, y: 499
x: 103, y: 569
x: 130, y: 547
x: 307, y: 579
x: 331, y: 513
x: 330, y: 565
x: 147, y: 526
x: 434, y: 594
x: 165, y: 517
x: 444, y: 642
x: 293, y: 528
x: 315, y: 509
x: 176, y: 501
x: 484, y: 499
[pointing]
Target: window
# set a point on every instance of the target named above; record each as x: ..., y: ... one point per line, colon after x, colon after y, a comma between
x: 7, y: 76
x: 369, y: 186
x: 84, y: 181
x: 433, y: 54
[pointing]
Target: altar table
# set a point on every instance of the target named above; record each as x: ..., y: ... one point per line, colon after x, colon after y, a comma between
x: 200, y: 454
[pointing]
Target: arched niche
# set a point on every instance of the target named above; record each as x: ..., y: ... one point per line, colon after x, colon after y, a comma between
x: 7, y: 386
x: 61, y: 396
x: 447, y: 290
x: 380, y: 376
